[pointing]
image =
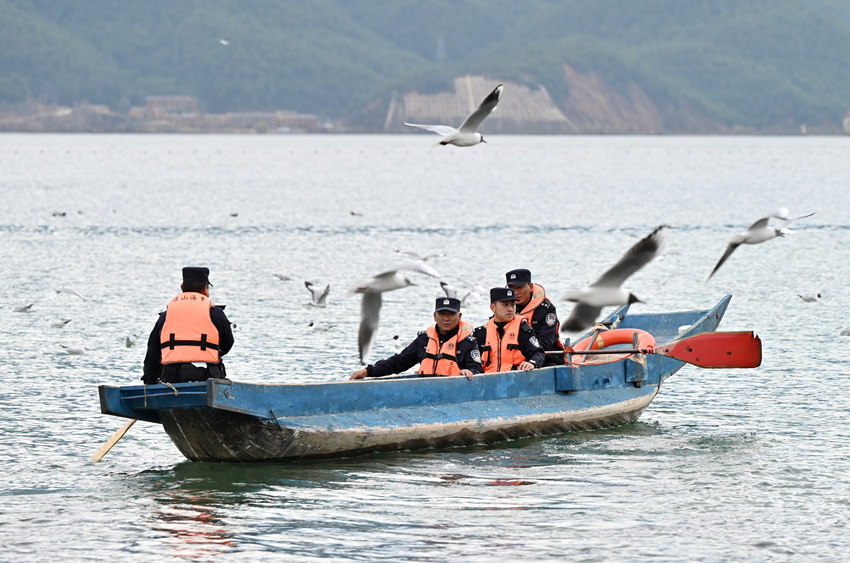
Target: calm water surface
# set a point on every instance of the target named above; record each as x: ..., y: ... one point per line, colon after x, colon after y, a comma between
x: 725, y: 464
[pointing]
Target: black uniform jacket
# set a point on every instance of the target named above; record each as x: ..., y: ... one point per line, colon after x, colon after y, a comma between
x: 153, y: 358
x: 544, y: 321
x: 468, y: 356
x: 528, y: 344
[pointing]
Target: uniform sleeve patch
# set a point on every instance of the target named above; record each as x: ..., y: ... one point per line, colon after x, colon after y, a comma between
x: 476, y: 356
x: 534, y: 341
x: 550, y: 319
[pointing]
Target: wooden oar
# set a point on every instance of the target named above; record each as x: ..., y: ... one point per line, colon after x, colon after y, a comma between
x: 101, y: 451
x: 707, y: 350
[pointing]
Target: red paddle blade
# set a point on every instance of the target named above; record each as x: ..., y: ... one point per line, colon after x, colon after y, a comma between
x: 716, y: 350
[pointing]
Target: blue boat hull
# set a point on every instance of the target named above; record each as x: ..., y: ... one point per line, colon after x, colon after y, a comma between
x: 222, y: 420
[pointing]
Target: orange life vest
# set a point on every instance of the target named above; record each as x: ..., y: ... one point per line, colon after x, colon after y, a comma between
x: 502, y: 354
x: 538, y: 294
x: 442, y: 360
x: 188, y: 334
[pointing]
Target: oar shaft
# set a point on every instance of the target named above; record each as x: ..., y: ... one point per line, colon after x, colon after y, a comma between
x: 101, y: 451
x: 605, y: 351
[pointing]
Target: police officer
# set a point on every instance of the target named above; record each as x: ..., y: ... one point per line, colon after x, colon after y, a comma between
x: 445, y: 349
x: 190, y: 337
x: 535, y: 307
x: 507, y: 341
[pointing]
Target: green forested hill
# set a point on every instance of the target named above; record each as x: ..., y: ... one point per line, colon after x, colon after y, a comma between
x: 747, y: 63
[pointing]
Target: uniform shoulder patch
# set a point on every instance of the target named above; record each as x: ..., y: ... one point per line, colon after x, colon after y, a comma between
x: 534, y: 341
x: 551, y: 319
x: 475, y: 355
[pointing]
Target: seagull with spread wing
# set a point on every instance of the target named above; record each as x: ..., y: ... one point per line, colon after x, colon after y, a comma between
x: 467, y: 134
x: 760, y: 231
x: 370, y: 306
x: 606, y: 290
x: 318, y: 294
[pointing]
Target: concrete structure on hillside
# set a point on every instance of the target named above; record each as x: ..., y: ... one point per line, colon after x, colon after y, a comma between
x: 521, y: 110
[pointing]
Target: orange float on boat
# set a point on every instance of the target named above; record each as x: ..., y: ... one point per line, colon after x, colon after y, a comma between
x: 606, y: 338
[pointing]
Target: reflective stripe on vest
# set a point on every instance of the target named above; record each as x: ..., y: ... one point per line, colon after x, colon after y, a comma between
x: 502, y: 354
x: 442, y: 360
x: 188, y: 334
x: 538, y: 295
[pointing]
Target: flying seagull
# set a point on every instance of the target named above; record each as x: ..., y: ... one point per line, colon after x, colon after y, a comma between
x: 319, y: 294
x: 423, y: 258
x: 370, y: 306
x: 467, y: 134
x: 69, y: 290
x: 606, y: 290
x: 760, y: 231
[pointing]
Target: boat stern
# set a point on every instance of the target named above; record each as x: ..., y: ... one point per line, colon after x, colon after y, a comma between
x: 144, y: 402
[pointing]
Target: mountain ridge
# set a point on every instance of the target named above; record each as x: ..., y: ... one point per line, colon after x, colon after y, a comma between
x: 662, y: 65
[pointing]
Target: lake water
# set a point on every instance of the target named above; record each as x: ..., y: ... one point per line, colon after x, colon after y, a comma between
x: 725, y: 464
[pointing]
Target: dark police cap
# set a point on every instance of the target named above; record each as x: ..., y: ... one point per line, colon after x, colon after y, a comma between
x: 196, y: 276
x: 447, y: 304
x: 518, y: 277
x: 502, y: 294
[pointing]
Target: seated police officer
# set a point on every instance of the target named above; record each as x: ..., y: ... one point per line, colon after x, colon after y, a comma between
x: 190, y: 337
x: 533, y: 305
x: 507, y: 341
x: 447, y: 348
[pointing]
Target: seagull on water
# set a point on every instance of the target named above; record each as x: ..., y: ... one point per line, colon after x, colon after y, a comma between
x: 73, y: 350
x: 397, y: 345
x: 810, y: 298
x: 449, y: 290
x: 759, y: 232
x: 282, y: 277
x: 319, y: 294
x: 320, y: 327
x: 467, y: 134
x: 23, y: 308
x: 59, y: 324
x: 606, y: 290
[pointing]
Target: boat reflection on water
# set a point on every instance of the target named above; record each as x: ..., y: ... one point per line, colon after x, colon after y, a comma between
x: 192, y: 525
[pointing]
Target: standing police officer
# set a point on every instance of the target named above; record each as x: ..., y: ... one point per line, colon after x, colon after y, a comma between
x: 190, y: 337
x: 535, y: 307
x: 447, y: 348
x: 507, y: 341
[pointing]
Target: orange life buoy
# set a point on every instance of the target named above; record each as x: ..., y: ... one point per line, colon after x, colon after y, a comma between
x: 608, y: 338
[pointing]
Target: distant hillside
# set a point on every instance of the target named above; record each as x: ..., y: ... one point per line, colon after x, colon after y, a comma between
x: 608, y: 65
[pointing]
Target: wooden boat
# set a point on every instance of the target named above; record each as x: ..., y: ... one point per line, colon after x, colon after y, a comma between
x: 229, y: 421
